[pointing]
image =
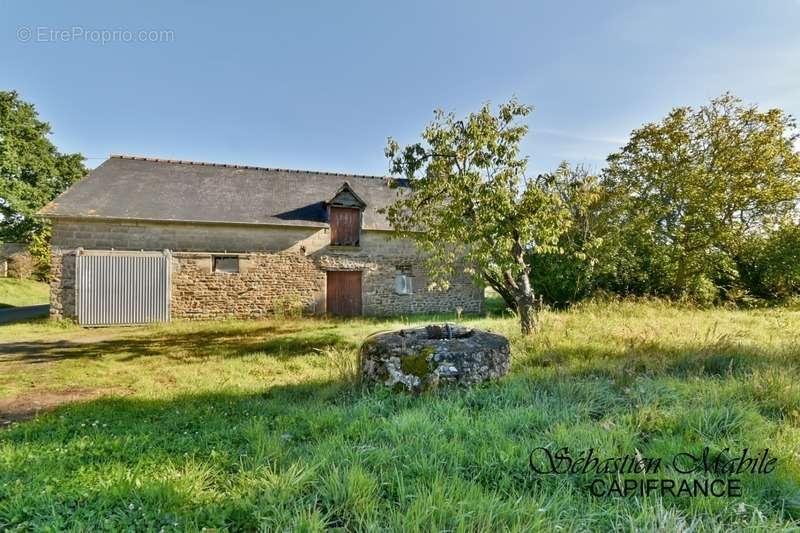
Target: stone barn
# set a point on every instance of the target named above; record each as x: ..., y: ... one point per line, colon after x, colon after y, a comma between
x: 142, y: 239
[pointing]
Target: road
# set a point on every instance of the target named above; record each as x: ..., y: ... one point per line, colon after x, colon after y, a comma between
x: 15, y: 314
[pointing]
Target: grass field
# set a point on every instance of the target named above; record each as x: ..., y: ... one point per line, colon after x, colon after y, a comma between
x: 20, y: 292
x: 258, y: 426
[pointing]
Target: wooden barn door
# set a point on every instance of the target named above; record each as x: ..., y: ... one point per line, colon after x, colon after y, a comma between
x: 345, y: 226
x: 344, y: 293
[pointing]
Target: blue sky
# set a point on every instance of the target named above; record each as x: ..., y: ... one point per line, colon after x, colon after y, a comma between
x: 320, y: 85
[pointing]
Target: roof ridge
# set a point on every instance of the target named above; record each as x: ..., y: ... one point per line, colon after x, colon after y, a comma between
x: 243, y: 167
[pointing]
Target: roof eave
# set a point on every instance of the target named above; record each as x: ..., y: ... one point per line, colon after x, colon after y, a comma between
x: 86, y: 218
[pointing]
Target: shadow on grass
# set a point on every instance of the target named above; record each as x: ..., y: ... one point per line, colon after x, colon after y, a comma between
x: 621, y: 367
x: 280, y: 340
x: 304, y: 413
x: 197, y: 423
x: 232, y: 450
x: 192, y: 346
x: 143, y: 463
x: 653, y: 359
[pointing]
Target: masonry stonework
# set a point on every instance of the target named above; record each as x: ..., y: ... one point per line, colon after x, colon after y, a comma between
x: 267, y: 283
x: 62, y: 284
x: 279, y: 268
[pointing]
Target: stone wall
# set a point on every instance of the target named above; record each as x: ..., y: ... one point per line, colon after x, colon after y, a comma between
x: 62, y: 284
x: 378, y: 285
x: 178, y: 236
x: 265, y: 284
x: 280, y: 268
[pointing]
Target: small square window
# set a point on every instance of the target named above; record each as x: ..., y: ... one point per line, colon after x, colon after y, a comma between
x: 403, y: 281
x: 226, y: 263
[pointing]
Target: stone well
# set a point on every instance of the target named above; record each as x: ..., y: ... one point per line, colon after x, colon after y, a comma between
x: 418, y: 359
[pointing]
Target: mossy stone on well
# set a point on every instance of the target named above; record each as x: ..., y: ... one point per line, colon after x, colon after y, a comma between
x: 417, y: 364
x: 418, y: 359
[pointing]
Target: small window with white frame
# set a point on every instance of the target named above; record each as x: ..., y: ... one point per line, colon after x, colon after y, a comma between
x: 403, y: 280
x: 226, y: 264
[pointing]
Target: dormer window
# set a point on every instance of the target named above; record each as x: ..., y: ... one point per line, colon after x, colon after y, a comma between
x: 344, y: 214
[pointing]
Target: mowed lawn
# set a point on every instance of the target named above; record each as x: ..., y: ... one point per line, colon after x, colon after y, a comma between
x: 259, y: 425
x: 22, y: 292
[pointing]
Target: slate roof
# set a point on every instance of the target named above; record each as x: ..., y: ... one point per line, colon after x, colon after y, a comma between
x: 140, y: 188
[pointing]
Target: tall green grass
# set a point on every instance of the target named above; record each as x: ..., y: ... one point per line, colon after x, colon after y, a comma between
x: 20, y: 292
x: 247, y: 426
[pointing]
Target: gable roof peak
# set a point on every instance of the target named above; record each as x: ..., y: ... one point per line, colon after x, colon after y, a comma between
x: 347, y: 197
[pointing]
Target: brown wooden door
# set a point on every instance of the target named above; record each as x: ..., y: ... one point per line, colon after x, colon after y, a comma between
x: 344, y: 293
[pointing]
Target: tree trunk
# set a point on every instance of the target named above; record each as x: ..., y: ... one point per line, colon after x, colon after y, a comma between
x: 526, y: 310
x: 526, y: 306
x: 505, y: 292
x: 680, y: 290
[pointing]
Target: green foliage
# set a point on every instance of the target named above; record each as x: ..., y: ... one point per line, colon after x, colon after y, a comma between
x: 699, y: 182
x: 244, y: 426
x: 782, y: 261
x: 39, y: 248
x: 570, y: 275
x: 684, y: 209
x: 32, y: 170
x: 472, y: 204
x: 770, y: 265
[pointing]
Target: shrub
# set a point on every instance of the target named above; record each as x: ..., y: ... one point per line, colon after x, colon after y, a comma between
x: 769, y: 266
x: 288, y: 307
x: 702, y: 291
x: 20, y: 265
x: 39, y: 250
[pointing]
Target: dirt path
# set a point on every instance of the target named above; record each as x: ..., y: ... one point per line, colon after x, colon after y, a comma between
x: 27, y: 406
